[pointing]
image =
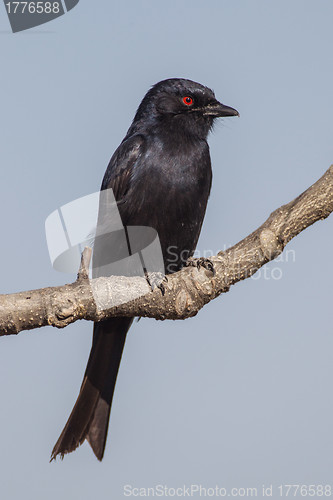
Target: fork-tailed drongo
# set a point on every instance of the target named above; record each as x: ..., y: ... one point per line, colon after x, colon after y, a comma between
x: 161, y: 177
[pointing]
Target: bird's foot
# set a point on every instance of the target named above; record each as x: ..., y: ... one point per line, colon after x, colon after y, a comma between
x: 156, y: 280
x: 201, y: 262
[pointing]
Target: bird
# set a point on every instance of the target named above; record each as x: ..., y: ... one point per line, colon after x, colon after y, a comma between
x: 161, y: 178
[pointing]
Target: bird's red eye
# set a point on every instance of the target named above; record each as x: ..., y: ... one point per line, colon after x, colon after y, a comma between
x: 188, y: 101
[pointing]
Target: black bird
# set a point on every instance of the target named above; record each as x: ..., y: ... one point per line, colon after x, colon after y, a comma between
x: 161, y: 177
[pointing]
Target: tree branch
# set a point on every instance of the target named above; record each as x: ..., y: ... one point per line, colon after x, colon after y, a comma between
x: 186, y: 291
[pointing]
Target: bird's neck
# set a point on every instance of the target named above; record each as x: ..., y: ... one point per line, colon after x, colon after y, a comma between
x: 179, y: 128
x: 174, y: 127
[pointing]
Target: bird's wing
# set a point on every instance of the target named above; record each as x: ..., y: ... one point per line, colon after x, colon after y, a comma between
x: 110, y: 243
x: 119, y: 173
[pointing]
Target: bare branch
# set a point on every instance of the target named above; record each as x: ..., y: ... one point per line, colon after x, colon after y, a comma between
x: 186, y: 291
x: 84, y: 266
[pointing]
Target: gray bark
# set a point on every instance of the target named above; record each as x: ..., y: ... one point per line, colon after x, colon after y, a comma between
x: 186, y: 291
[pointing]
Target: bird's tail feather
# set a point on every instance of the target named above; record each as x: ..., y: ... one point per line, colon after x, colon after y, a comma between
x: 90, y: 416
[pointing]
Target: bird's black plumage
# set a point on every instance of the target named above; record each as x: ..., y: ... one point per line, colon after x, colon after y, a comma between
x: 161, y: 177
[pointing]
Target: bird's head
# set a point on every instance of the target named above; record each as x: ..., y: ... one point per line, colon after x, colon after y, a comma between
x: 182, y: 105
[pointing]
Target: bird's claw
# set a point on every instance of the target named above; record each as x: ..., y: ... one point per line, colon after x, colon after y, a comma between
x: 201, y: 262
x: 156, y: 280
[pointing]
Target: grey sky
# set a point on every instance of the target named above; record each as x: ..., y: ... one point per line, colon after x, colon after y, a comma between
x: 241, y: 395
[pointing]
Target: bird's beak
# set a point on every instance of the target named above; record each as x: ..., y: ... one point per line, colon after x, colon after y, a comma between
x: 217, y: 109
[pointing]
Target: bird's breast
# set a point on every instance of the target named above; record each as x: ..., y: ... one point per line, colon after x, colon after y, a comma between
x: 170, y: 193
